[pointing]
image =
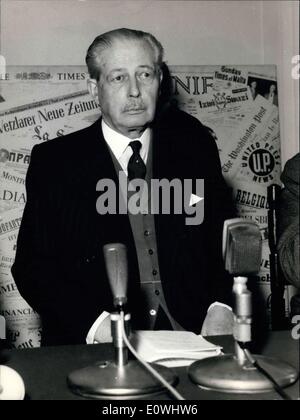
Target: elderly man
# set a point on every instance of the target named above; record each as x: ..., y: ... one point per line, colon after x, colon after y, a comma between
x: 176, y: 276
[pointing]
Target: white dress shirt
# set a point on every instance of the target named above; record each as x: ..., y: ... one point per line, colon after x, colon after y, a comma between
x: 119, y: 145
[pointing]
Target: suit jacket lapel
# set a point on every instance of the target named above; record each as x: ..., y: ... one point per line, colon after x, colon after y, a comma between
x: 98, y: 165
x: 98, y: 162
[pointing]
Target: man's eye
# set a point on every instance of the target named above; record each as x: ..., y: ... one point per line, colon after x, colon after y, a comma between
x: 146, y: 75
x: 118, y: 79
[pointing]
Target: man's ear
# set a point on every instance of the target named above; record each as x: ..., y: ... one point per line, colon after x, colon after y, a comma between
x: 92, y: 86
x: 160, y: 76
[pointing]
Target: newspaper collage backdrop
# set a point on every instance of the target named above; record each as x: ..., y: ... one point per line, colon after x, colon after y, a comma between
x: 40, y: 103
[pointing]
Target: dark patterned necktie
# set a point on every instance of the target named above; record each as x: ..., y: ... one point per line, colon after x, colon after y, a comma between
x: 136, y: 166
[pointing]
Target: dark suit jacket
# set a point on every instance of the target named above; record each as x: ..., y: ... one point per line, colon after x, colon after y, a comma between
x: 59, y: 266
x: 288, y: 221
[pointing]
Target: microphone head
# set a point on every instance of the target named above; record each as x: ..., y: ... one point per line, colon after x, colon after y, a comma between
x: 242, y: 247
x: 115, y: 256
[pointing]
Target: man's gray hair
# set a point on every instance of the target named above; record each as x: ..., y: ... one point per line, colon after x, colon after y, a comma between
x: 104, y: 41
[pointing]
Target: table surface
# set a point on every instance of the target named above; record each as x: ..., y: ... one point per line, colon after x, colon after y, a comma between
x: 44, y: 370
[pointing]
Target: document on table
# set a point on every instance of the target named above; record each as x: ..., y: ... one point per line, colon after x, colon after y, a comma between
x: 173, y: 348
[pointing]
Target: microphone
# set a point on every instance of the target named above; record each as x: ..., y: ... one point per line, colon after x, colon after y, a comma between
x: 119, y: 378
x: 116, y: 267
x: 242, y: 246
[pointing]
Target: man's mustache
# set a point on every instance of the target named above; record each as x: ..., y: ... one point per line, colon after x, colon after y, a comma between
x: 134, y: 106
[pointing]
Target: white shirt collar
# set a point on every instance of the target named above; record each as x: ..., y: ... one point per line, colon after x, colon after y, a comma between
x: 119, y: 144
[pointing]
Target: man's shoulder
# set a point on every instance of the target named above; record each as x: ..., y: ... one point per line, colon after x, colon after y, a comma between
x: 181, y: 125
x: 175, y: 117
x: 292, y: 169
x: 291, y: 173
x: 69, y: 145
x: 293, y: 165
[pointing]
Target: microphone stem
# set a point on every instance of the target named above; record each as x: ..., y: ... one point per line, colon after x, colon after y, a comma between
x: 242, y: 317
x: 121, y: 351
x: 240, y: 354
x: 121, y: 357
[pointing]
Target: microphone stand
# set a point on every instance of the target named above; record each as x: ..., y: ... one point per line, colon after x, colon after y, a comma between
x: 234, y: 372
x: 119, y: 378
